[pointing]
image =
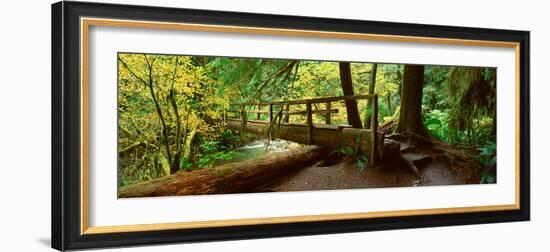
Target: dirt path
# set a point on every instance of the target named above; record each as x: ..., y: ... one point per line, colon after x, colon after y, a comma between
x: 346, y: 175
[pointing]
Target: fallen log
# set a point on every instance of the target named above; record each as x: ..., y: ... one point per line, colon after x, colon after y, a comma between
x: 246, y: 176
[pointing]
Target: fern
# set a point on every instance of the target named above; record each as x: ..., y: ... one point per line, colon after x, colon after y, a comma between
x: 361, y: 160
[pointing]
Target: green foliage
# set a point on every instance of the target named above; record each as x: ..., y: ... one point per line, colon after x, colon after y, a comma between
x: 458, y: 104
x: 488, y: 154
x: 250, y: 79
x: 388, y: 79
x: 186, y: 164
x: 435, y: 82
x: 436, y: 122
x: 383, y: 111
x: 488, y: 178
x: 362, y: 162
x: 227, y: 140
x: 207, y: 160
x: 439, y: 124
x: 210, y: 153
x: 344, y: 150
x: 209, y: 146
x: 472, y: 92
x: 354, y: 152
x: 488, y: 157
x: 220, y: 149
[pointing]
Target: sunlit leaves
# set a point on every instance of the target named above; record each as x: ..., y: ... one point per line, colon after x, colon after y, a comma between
x: 172, y: 80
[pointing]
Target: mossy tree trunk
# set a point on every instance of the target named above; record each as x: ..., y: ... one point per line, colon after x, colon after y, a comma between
x: 347, y: 87
x: 371, y: 91
x: 410, y: 119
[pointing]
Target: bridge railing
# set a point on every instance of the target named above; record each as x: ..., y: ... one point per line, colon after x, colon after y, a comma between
x: 242, y: 109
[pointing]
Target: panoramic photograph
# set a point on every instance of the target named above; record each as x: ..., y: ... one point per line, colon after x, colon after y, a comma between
x: 196, y: 125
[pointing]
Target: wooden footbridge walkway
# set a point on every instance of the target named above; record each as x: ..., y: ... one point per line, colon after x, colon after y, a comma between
x: 278, y: 125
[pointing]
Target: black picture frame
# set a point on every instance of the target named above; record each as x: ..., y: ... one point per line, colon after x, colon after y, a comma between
x: 66, y: 124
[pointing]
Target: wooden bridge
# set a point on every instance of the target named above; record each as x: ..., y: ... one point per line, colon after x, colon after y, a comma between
x: 277, y: 125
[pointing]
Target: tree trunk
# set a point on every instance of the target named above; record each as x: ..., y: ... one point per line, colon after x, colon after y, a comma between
x: 371, y: 91
x: 373, y: 78
x: 347, y: 87
x: 388, y: 103
x: 175, y: 165
x: 248, y: 176
x: 411, y: 100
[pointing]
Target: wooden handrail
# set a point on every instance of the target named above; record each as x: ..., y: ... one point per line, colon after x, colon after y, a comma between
x: 299, y: 112
x: 305, y: 101
x: 286, y: 104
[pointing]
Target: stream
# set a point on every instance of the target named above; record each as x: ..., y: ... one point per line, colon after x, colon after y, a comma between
x: 258, y: 148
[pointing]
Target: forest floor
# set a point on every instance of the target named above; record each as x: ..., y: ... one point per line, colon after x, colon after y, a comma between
x: 346, y: 175
x: 445, y: 165
x: 408, y: 161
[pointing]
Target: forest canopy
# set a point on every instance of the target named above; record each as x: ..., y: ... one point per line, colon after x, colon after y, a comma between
x: 171, y: 107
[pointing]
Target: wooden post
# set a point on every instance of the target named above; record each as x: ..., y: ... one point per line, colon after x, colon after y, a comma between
x: 309, y: 122
x: 287, y: 116
x: 225, y: 115
x: 374, y: 130
x: 258, y: 114
x: 271, y: 123
x: 328, y: 114
x: 270, y: 113
x: 243, y: 116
